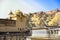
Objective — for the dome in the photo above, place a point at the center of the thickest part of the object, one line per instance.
(18, 12)
(11, 13)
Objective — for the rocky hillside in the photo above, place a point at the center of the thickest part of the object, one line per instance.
(50, 18)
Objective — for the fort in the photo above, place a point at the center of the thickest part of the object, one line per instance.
(19, 26)
(14, 28)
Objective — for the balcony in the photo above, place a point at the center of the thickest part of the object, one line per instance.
(7, 23)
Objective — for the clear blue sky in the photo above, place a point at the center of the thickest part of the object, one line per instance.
(27, 6)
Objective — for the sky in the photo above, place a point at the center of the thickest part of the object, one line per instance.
(27, 6)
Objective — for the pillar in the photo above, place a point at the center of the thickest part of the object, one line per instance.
(22, 38)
